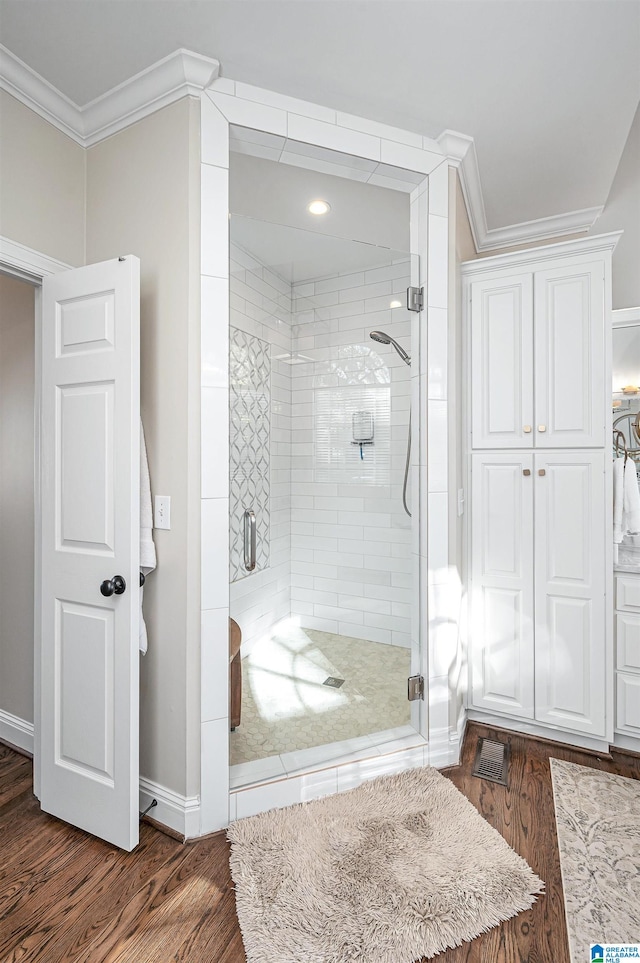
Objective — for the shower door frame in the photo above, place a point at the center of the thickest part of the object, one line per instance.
(437, 741)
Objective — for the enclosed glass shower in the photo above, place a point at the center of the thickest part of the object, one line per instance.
(320, 531)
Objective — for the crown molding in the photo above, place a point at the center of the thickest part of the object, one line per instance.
(559, 225)
(462, 154)
(35, 92)
(185, 73)
(461, 151)
(592, 244)
(179, 75)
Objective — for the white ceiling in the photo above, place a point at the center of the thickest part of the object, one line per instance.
(298, 255)
(547, 88)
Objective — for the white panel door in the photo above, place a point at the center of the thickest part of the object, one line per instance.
(569, 357)
(502, 583)
(90, 457)
(502, 362)
(570, 589)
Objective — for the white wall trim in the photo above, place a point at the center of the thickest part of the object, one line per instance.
(180, 813)
(581, 245)
(16, 731)
(621, 317)
(185, 73)
(32, 90)
(573, 222)
(443, 749)
(461, 151)
(181, 74)
(26, 263)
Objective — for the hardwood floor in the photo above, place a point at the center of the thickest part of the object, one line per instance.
(66, 897)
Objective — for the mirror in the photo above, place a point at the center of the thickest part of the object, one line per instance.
(625, 370)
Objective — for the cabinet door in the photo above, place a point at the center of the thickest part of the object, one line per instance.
(628, 703)
(502, 583)
(569, 587)
(501, 361)
(569, 357)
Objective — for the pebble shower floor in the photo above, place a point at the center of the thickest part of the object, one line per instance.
(286, 706)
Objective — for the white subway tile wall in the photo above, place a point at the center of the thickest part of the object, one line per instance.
(339, 537)
(350, 538)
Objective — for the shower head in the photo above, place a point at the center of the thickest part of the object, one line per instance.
(383, 338)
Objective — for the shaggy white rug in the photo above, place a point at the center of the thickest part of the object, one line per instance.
(598, 822)
(400, 868)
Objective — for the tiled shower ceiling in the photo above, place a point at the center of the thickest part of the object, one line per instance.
(272, 147)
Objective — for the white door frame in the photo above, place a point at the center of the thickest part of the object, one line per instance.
(25, 264)
(223, 104)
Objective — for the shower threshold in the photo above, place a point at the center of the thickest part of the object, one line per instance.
(367, 749)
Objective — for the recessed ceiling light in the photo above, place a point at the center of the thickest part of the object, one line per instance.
(319, 207)
(396, 304)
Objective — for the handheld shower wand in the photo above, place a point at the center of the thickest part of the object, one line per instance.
(383, 338)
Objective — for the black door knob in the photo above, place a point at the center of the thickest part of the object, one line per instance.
(113, 586)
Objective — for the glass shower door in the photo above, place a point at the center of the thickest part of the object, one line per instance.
(319, 426)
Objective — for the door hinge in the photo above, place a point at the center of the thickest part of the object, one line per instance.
(415, 299)
(415, 688)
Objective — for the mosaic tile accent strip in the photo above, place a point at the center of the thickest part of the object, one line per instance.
(249, 446)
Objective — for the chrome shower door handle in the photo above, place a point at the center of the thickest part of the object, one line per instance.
(249, 540)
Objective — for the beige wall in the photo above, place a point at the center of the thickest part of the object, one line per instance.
(622, 213)
(42, 189)
(17, 328)
(141, 200)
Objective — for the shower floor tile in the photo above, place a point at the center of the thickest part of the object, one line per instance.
(287, 707)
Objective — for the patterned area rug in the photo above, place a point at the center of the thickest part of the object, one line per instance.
(598, 821)
(400, 868)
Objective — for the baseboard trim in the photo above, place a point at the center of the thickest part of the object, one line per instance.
(443, 749)
(179, 813)
(16, 731)
(626, 743)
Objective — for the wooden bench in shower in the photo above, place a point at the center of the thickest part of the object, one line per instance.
(235, 674)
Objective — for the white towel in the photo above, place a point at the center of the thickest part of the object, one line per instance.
(618, 499)
(147, 548)
(631, 500)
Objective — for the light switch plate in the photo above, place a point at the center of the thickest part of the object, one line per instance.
(162, 512)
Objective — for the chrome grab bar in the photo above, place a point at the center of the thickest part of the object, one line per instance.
(249, 540)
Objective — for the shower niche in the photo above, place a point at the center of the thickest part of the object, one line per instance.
(320, 415)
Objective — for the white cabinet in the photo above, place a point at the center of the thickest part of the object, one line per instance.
(537, 592)
(538, 356)
(502, 362)
(502, 579)
(538, 361)
(570, 581)
(627, 626)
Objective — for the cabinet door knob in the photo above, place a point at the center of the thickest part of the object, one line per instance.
(542, 471)
(526, 429)
(526, 471)
(542, 427)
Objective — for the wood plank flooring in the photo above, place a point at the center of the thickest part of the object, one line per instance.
(66, 897)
